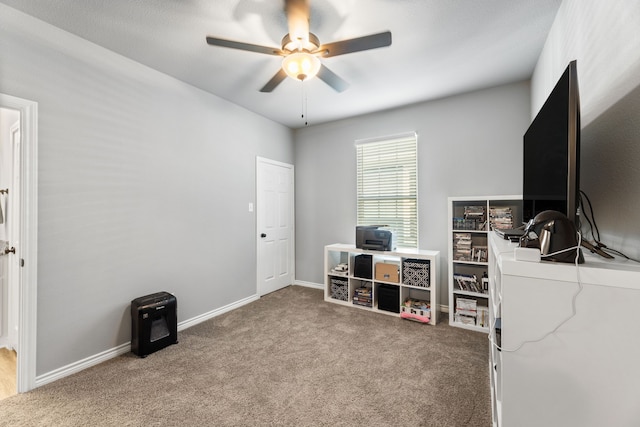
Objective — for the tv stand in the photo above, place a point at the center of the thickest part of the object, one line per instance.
(550, 371)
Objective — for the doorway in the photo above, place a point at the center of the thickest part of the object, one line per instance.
(274, 225)
(9, 225)
(18, 235)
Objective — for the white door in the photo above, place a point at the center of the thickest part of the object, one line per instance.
(12, 223)
(274, 225)
(19, 230)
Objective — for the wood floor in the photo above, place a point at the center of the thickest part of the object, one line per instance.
(7, 373)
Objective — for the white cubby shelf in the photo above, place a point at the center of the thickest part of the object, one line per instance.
(380, 287)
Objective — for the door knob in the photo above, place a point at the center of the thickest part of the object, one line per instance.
(263, 235)
(11, 250)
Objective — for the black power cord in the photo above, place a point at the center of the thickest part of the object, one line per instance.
(595, 232)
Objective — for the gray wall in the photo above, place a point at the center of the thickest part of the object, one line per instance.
(140, 189)
(468, 145)
(144, 185)
(604, 39)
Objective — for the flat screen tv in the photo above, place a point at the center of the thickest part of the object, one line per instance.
(552, 152)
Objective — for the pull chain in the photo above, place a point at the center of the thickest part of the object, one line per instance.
(304, 103)
(306, 111)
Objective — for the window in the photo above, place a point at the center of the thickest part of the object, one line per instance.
(387, 186)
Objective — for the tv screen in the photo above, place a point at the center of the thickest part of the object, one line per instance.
(552, 152)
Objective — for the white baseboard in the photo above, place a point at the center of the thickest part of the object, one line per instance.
(90, 361)
(308, 284)
(80, 365)
(217, 312)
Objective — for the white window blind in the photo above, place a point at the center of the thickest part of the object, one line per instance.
(388, 186)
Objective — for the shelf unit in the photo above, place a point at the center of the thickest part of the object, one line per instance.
(415, 280)
(470, 220)
(567, 355)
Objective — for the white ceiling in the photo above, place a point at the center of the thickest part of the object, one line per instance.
(439, 48)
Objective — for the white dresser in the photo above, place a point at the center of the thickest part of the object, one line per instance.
(584, 371)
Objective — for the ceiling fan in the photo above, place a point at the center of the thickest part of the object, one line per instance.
(301, 50)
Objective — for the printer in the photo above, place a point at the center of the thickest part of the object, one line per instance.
(375, 238)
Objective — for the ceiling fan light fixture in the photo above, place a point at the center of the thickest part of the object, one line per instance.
(301, 65)
(308, 43)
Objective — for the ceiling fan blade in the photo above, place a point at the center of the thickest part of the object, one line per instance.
(373, 41)
(298, 19)
(244, 46)
(275, 81)
(332, 79)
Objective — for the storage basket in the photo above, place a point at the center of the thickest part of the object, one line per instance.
(415, 272)
(340, 289)
(415, 314)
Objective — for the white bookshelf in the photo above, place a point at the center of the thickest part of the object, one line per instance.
(461, 214)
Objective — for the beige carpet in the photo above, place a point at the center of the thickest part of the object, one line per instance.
(289, 359)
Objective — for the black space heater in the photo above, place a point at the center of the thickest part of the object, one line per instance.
(154, 323)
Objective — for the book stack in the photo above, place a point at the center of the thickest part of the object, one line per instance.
(470, 282)
(479, 254)
(482, 316)
(462, 246)
(476, 214)
(466, 311)
(469, 312)
(362, 296)
(467, 282)
(500, 218)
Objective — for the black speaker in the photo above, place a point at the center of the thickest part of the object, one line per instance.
(154, 323)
